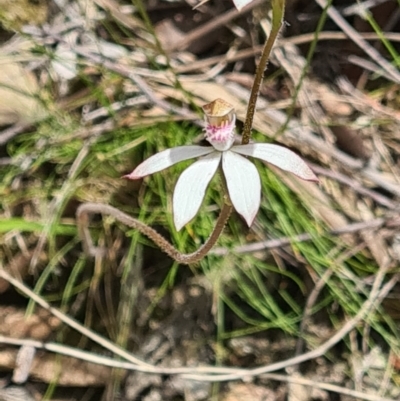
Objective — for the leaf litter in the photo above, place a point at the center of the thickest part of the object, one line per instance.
(76, 90)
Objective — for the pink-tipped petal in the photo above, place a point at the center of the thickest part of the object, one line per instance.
(167, 158)
(279, 157)
(243, 183)
(191, 187)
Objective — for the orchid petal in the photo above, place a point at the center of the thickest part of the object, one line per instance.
(191, 186)
(243, 183)
(279, 156)
(167, 158)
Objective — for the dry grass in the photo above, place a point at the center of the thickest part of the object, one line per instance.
(311, 287)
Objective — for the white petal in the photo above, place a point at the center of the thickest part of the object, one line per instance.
(65, 62)
(191, 187)
(93, 44)
(243, 183)
(279, 157)
(239, 4)
(167, 158)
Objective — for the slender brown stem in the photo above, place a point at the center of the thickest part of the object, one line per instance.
(277, 18)
(87, 209)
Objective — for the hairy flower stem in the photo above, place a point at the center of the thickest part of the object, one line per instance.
(278, 7)
(87, 209)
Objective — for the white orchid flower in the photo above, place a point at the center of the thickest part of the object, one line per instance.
(242, 178)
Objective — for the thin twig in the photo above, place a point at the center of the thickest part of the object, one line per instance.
(359, 41)
(313, 296)
(311, 300)
(208, 27)
(110, 362)
(373, 224)
(296, 40)
(369, 305)
(11, 132)
(358, 395)
(69, 321)
(354, 185)
(205, 373)
(129, 73)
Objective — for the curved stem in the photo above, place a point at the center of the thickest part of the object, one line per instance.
(277, 18)
(86, 209)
